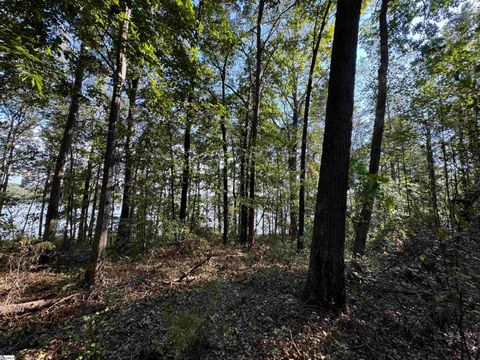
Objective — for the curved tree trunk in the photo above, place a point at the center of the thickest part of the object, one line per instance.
(326, 278)
(51, 218)
(303, 151)
(376, 147)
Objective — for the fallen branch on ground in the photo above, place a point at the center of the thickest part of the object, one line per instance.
(184, 275)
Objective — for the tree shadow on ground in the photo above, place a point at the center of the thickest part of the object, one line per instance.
(254, 316)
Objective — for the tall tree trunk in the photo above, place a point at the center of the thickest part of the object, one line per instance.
(255, 120)
(303, 151)
(431, 175)
(82, 231)
(99, 243)
(292, 169)
(326, 278)
(188, 129)
(125, 222)
(243, 181)
(225, 160)
(51, 218)
(376, 147)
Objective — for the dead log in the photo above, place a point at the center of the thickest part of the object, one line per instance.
(15, 309)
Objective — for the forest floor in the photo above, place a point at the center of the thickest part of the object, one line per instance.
(204, 301)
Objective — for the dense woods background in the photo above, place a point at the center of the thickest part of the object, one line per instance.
(240, 179)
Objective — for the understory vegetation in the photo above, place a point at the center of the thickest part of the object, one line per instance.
(418, 302)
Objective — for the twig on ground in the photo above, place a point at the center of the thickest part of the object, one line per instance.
(294, 344)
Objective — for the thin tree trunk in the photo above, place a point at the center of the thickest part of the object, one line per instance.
(51, 218)
(111, 217)
(67, 235)
(44, 198)
(6, 175)
(172, 176)
(243, 181)
(376, 147)
(186, 170)
(94, 205)
(125, 222)
(196, 200)
(448, 199)
(99, 244)
(225, 161)
(7, 156)
(432, 176)
(326, 278)
(303, 152)
(292, 169)
(82, 231)
(255, 120)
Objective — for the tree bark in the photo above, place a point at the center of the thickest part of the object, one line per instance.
(303, 151)
(376, 147)
(125, 222)
(325, 283)
(99, 244)
(255, 120)
(51, 219)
